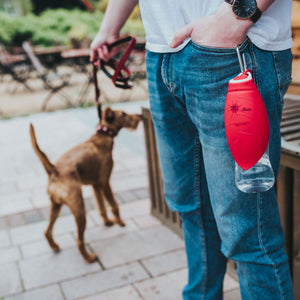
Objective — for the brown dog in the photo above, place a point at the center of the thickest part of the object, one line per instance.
(89, 163)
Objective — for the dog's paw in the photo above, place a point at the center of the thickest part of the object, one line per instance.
(91, 258)
(56, 250)
(121, 223)
(109, 223)
(54, 246)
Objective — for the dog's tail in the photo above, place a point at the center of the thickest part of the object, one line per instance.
(49, 167)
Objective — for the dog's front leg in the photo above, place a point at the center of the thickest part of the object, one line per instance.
(113, 203)
(101, 205)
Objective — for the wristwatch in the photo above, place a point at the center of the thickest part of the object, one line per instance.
(245, 9)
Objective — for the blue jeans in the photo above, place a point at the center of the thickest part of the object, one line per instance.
(187, 93)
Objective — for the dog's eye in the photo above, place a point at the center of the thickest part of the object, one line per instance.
(123, 114)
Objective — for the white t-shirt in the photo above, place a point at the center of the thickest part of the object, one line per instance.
(162, 18)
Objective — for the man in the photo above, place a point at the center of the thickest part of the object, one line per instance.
(190, 59)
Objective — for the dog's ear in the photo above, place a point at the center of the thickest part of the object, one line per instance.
(109, 115)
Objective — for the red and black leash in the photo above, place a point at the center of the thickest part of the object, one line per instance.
(119, 67)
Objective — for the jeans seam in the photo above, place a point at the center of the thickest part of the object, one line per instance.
(199, 206)
(197, 172)
(260, 236)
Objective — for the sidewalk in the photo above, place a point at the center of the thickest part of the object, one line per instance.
(144, 260)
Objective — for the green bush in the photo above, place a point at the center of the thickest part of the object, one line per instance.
(7, 28)
(57, 26)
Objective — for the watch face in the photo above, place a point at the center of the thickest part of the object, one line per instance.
(244, 8)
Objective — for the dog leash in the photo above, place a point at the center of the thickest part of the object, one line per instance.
(120, 77)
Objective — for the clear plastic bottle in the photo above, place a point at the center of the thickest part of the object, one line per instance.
(259, 178)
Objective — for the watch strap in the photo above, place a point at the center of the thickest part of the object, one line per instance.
(256, 15)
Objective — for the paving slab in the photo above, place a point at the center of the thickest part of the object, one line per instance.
(13, 194)
(164, 263)
(87, 192)
(232, 295)
(33, 216)
(35, 231)
(9, 171)
(136, 208)
(46, 212)
(139, 180)
(146, 221)
(229, 283)
(124, 293)
(40, 198)
(10, 282)
(127, 143)
(32, 181)
(6, 188)
(166, 287)
(3, 223)
(100, 233)
(9, 254)
(126, 196)
(54, 267)
(15, 203)
(39, 247)
(51, 292)
(142, 193)
(16, 220)
(169, 287)
(136, 245)
(4, 238)
(102, 281)
(133, 163)
(19, 173)
(28, 233)
(67, 223)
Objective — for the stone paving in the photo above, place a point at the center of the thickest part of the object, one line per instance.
(144, 260)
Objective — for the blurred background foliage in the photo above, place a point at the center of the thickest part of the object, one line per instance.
(47, 23)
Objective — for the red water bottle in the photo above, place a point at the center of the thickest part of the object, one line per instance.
(247, 132)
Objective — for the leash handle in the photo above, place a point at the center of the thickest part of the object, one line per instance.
(118, 78)
(120, 69)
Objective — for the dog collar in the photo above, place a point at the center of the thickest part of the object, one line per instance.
(106, 131)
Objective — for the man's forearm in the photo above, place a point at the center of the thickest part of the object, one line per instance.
(116, 15)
